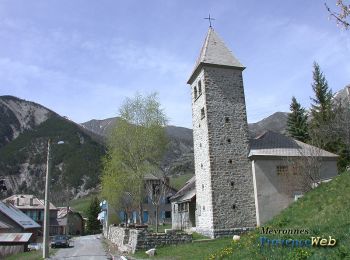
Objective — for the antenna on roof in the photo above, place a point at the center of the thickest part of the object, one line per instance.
(210, 19)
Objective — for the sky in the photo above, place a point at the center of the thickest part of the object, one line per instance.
(82, 58)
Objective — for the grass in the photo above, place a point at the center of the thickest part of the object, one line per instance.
(82, 204)
(31, 255)
(197, 236)
(178, 182)
(191, 251)
(161, 228)
(324, 211)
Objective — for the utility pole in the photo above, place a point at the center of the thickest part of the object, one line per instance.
(47, 200)
(67, 216)
(47, 204)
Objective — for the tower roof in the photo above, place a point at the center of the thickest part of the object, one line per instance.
(214, 52)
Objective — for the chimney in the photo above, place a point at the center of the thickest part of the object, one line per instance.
(31, 201)
(17, 201)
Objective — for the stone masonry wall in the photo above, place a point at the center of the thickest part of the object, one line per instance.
(204, 209)
(224, 184)
(232, 179)
(130, 240)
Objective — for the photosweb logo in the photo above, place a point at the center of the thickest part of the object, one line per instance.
(298, 243)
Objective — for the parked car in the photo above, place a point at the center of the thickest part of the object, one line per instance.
(60, 241)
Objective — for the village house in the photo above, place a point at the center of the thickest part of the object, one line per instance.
(17, 230)
(274, 158)
(34, 208)
(239, 183)
(70, 221)
(151, 183)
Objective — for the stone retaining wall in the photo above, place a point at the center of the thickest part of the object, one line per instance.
(130, 240)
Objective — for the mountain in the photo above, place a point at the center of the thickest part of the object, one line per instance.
(101, 127)
(343, 95)
(18, 116)
(179, 156)
(277, 122)
(25, 128)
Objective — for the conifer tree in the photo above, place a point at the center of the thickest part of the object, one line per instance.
(297, 125)
(321, 128)
(93, 225)
(321, 109)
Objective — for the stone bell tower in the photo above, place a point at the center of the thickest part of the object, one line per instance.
(224, 181)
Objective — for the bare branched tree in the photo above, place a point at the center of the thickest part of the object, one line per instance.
(341, 16)
(157, 191)
(127, 204)
(303, 171)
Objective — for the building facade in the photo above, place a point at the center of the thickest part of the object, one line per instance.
(152, 194)
(224, 182)
(283, 170)
(239, 183)
(70, 221)
(34, 208)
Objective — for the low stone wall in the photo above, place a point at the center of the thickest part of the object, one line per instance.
(130, 240)
(216, 233)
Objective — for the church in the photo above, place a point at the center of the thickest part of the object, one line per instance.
(239, 183)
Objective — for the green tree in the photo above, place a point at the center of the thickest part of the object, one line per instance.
(136, 146)
(93, 225)
(321, 128)
(297, 125)
(321, 109)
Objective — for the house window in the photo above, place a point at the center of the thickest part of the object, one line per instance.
(229, 140)
(195, 93)
(234, 206)
(202, 113)
(183, 207)
(167, 214)
(199, 88)
(282, 170)
(35, 215)
(227, 119)
(230, 161)
(232, 183)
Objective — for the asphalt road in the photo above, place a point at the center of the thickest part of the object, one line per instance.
(85, 248)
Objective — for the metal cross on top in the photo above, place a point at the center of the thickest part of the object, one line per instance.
(210, 19)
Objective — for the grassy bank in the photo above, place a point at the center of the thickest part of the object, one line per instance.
(179, 181)
(32, 255)
(324, 212)
(193, 251)
(82, 204)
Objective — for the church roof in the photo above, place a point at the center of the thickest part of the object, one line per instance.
(275, 144)
(187, 192)
(267, 144)
(215, 52)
